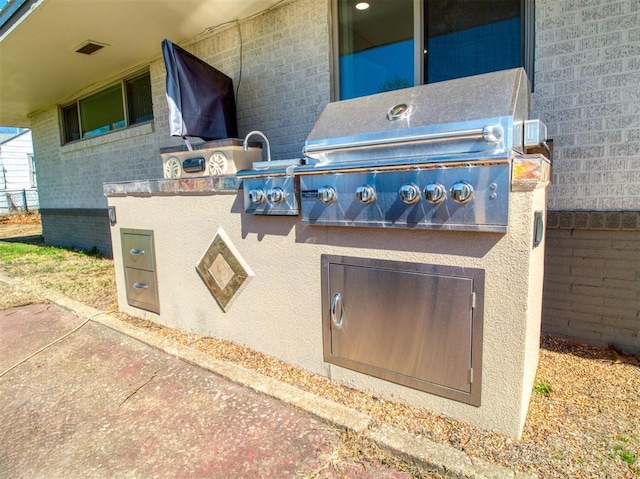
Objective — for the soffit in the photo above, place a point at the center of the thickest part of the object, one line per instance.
(39, 66)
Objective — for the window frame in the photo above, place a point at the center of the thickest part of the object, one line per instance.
(123, 93)
(32, 171)
(527, 19)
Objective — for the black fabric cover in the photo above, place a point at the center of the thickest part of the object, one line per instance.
(201, 100)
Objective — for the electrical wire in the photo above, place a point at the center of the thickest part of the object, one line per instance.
(237, 22)
(240, 54)
(53, 342)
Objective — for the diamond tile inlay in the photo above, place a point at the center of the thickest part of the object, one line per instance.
(223, 270)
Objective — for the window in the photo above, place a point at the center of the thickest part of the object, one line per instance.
(386, 45)
(32, 171)
(376, 47)
(123, 104)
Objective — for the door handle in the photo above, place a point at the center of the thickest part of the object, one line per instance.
(337, 311)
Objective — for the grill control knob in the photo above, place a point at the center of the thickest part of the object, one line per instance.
(276, 195)
(434, 193)
(257, 196)
(327, 194)
(366, 194)
(461, 192)
(409, 193)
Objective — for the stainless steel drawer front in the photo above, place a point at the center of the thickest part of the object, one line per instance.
(137, 251)
(142, 290)
(138, 257)
(413, 324)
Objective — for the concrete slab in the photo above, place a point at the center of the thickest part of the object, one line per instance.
(27, 329)
(440, 459)
(102, 404)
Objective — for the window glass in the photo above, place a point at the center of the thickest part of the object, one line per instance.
(468, 38)
(139, 99)
(71, 123)
(457, 38)
(32, 171)
(376, 46)
(102, 112)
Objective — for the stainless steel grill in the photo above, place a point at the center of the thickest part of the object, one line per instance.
(434, 156)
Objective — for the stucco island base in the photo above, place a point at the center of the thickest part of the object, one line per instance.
(279, 311)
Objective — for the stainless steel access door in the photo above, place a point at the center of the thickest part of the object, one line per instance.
(413, 324)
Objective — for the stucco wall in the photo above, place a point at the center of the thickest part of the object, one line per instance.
(280, 62)
(279, 312)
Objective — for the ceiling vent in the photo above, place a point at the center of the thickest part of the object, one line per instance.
(90, 47)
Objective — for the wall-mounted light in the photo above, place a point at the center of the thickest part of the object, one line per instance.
(362, 5)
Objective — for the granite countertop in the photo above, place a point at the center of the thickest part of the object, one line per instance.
(205, 185)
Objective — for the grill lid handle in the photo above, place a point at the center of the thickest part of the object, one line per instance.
(489, 133)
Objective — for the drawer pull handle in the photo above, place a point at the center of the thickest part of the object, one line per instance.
(136, 252)
(140, 285)
(337, 316)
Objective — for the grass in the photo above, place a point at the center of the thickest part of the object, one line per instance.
(621, 450)
(542, 387)
(83, 276)
(13, 298)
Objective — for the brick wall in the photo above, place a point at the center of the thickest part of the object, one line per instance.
(587, 92)
(284, 78)
(592, 278)
(279, 62)
(83, 228)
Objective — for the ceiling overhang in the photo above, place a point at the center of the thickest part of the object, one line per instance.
(39, 39)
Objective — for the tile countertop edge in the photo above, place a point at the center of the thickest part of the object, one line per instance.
(205, 185)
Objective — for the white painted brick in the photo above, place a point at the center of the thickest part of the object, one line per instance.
(586, 91)
(599, 137)
(285, 56)
(604, 11)
(580, 58)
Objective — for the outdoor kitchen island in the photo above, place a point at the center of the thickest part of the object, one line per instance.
(399, 291)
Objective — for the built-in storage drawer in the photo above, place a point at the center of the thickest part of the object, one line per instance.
(138, 258)
(414, 324)
(137, 249)
(142, 289)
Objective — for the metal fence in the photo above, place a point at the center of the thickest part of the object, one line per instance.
(24, 200)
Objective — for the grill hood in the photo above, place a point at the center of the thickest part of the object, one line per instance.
(482, 114)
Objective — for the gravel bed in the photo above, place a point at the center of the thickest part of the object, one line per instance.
(583, 420)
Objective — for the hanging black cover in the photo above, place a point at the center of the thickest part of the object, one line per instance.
(201, 100)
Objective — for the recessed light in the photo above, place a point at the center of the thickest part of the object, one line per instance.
(362, 5)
